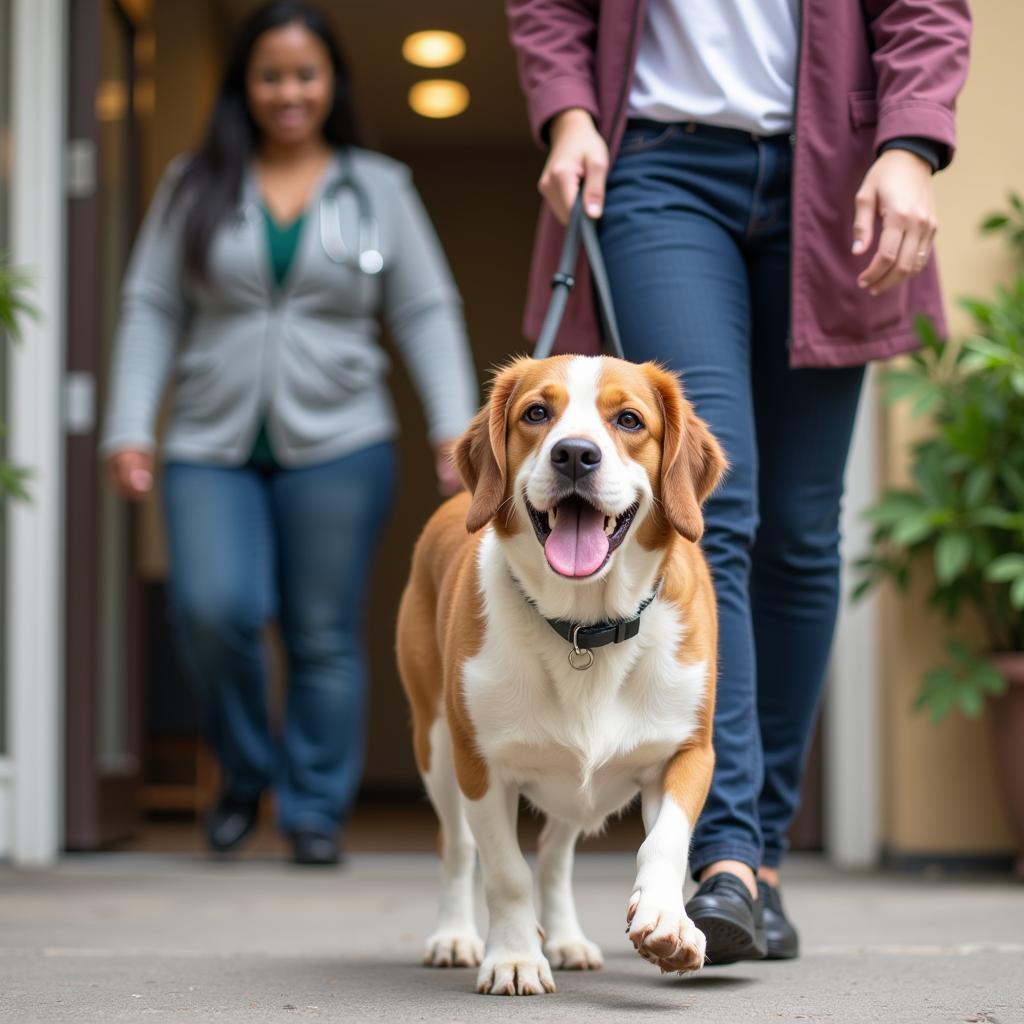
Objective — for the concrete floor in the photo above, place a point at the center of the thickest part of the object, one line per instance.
(144, 937)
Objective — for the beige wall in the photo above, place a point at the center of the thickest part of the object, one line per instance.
(940, 791)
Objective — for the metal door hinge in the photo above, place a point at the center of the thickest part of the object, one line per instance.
(80, 168)
(79, 403)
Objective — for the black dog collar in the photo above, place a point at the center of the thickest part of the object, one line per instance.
(585, 639)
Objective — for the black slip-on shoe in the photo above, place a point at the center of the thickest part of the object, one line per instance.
(314, 848)
(732, 922)
(230, 820)
(781, 937)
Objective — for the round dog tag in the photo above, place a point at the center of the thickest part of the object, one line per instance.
(581, 660)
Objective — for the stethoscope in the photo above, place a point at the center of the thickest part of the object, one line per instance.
(367, 256)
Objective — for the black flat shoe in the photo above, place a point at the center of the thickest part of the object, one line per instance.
(314, 848)
(231, 820)
(780, 936)
(730, 919)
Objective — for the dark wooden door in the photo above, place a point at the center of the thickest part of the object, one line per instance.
(103, 699)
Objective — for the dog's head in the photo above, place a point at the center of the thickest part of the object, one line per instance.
(588, 454)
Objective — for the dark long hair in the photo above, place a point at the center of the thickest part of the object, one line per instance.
(211, 183)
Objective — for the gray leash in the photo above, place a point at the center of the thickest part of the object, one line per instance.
(580, 226)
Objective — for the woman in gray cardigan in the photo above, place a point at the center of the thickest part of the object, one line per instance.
(256, 286)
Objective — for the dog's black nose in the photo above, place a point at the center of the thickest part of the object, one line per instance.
(575, 457)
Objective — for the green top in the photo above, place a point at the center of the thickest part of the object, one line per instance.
(283, 241)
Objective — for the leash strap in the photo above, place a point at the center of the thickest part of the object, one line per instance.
(580, 226)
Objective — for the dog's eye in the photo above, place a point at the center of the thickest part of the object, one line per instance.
(536, 414)
(629, 420)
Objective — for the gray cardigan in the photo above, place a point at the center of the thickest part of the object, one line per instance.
(305, 358)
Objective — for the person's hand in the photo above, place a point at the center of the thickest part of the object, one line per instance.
(578, 153)
(448, 479)
(898, 189)
(131, 473)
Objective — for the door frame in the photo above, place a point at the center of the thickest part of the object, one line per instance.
(35, 550)
(102, 804)
(853, 769)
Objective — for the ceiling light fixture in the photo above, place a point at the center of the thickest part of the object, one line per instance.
(434, 49)
(439, 97)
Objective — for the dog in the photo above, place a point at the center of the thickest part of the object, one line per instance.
(557, 640)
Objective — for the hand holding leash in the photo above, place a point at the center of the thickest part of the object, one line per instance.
(578, 162)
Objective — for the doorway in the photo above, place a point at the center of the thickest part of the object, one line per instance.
(142, 79)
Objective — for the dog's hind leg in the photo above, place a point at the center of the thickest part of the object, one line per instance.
(565, 945)
(455, 942)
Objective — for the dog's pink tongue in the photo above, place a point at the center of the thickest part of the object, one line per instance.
(578, 544)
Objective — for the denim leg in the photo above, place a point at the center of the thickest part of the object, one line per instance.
(221, 590)
(804, 424)
(671, 236)
(328, 519)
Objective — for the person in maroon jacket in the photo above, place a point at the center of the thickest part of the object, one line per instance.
(763, 174)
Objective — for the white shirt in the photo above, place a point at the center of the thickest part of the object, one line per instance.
(730, 63)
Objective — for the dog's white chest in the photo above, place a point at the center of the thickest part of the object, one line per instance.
(579, 744)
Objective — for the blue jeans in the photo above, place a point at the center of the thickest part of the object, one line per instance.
(696, 234)
(249, 545)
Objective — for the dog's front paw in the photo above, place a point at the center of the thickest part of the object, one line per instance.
(573, 953)
(508, 973)
(452, 947)
(665, 936)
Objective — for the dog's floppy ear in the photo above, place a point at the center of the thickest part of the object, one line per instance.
(692, 461)
(480, 453)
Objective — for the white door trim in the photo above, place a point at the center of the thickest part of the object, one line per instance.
(853, 748)
(35, 556)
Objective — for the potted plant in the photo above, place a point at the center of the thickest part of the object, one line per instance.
(963, 514)
(13, 306)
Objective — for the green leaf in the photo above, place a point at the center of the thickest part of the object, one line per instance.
(971, 702)
(978, 483)
(912, 530)
(925, 330)
(12, 482)
(1017, 593)
(962, 653)
(995, 222)
(997, 517)
(952, 553)
(900, 384)
(991, 680)
(894, 506)
(930, 395)
(1013, 480)
(979, 309)
(987, 347)
(1005, 568)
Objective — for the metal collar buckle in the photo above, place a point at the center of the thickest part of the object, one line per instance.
(580, 658)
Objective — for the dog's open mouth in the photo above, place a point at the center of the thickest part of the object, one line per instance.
(578, 538)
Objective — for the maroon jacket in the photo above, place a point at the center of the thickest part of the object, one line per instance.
(869, 71)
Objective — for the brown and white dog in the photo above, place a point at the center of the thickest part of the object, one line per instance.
(586, 477)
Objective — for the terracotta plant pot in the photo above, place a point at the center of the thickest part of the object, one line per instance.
(1007, 720)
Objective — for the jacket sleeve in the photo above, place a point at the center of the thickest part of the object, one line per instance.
(920, 51)
(423, 312)
(555, 42)
(154, 314)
